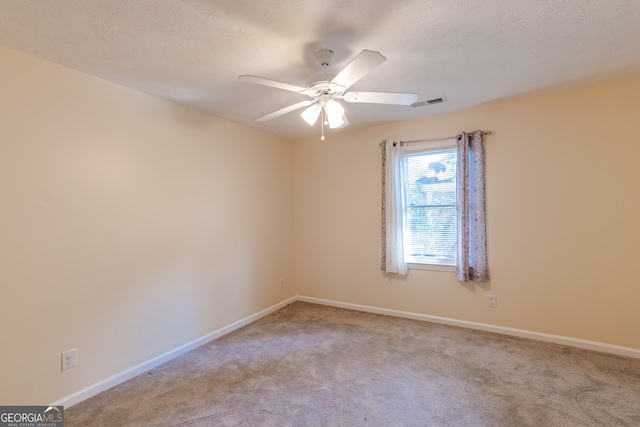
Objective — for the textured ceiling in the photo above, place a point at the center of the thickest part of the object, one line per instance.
(472, 52)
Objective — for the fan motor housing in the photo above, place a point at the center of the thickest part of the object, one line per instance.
(320, 83)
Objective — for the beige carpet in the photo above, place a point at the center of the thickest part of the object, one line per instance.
(311, 365)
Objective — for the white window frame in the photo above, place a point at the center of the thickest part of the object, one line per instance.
(414, 262)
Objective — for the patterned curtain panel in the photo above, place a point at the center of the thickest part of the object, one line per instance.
(471, 263)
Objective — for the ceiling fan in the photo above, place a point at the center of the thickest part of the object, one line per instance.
(324, 89)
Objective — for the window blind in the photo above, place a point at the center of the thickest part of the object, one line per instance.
(430, 191)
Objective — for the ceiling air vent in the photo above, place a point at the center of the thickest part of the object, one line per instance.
(429, 102)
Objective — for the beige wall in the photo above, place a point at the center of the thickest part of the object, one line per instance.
(563, 217)
(128, 226)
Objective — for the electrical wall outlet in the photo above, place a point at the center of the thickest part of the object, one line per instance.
(281, 283)
(69, 359)
(491, 301)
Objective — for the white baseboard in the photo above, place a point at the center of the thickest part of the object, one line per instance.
(557, 339)
(143, 367)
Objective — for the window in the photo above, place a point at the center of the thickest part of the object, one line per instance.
(433, 206)
(430, 204)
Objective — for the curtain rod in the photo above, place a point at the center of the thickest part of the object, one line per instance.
(441, 139)
(484, 132)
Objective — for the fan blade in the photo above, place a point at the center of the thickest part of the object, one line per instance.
(360, 66)
(285, 110)
(381, 97)
(272, 83)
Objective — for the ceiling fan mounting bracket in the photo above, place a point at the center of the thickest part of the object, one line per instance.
(324, 57)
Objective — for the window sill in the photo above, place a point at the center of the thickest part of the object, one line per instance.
(433, 267)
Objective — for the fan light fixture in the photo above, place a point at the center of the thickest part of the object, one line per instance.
(310, 115)
(333, 111)
(332, 114)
